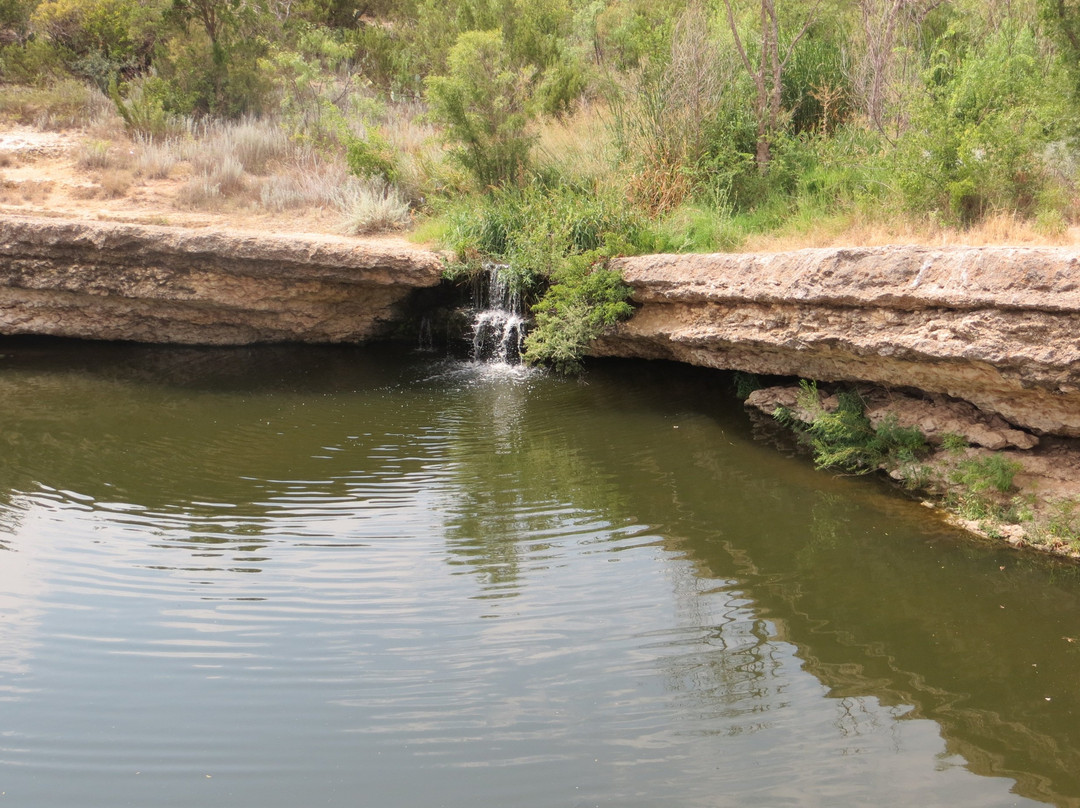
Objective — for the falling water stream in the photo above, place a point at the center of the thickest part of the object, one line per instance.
(330, 576)
(498, 329)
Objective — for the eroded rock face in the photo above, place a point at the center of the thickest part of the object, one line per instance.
(97, 280)
(935, 416)
(995, 326)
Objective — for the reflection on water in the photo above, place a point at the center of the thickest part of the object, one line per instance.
(292, 576)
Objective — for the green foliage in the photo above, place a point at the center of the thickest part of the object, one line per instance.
(991, 473)
(371, 157)
(583, 299)
(976, 139)
(844, 438)
(816, 84)
(953, 443)
(1064, 520)
(1062, 19)
(35, 62)
(99, 39)
(981, 99)
(980, 486)
(628, 34)
(745, 384)
(15, 14)
(555, 241)
(485, 104)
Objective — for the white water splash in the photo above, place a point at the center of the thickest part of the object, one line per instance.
(499, 328)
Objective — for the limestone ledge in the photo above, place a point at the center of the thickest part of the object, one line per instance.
(101, 280)
(998, 327)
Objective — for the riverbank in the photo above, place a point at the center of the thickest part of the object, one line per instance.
(971, 347)
(965, 344)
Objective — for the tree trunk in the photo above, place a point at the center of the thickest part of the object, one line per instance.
(768, 75)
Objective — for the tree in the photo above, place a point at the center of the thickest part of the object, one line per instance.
(1062, 17)
(767, 75)
(485, 104)
(884, 23)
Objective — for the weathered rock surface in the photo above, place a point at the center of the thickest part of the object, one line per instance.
(994, 326)
(98, 280)
(935, 416)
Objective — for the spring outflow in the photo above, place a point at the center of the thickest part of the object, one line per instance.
(498, 332)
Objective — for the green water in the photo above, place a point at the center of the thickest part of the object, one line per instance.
(305, 576)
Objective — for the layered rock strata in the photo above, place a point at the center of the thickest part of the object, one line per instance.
(998, 327)
(97, 280)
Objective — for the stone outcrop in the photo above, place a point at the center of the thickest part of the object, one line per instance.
(995, 326)
(935, 416)
(97, 280)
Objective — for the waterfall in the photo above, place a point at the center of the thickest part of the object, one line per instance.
(498, 330)
(425, 340)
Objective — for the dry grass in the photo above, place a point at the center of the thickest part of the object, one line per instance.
(95, 155)
(418, 150)
(374, 206)
(155, 159)
(115, 182)
(853, 230)
(579, 145)
(308, 183)
(33, 192)
(255, 144)
(67, 104)
(281, 192)
(215, 179)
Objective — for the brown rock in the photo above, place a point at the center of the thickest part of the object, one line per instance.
(98, 280)
(993, 326)
(938, 416)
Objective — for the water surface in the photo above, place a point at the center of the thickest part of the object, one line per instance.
(306, 576)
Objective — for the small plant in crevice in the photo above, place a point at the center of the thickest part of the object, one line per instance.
(953, 443)
(745, 384)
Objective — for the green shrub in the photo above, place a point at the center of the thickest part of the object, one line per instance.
(976, 140)
(371, 157)
(845, 439)
(583, 299)
(15, 14)
(485, 104)
(100, 38)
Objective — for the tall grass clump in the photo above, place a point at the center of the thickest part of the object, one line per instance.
(155, 159)
(254, 144)
(374, 205)
(95, 154)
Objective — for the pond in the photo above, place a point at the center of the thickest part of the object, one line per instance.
(288, 576)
